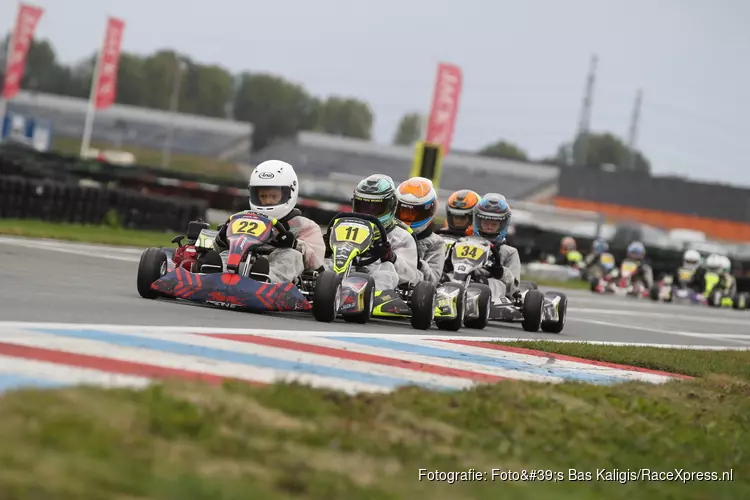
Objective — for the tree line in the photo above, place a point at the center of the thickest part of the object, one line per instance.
(275, 106)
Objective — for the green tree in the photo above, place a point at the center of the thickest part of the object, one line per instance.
(206, 90)
(505, 150)
(346, 117)
(606, 148)
(276, 107)
(409, 130)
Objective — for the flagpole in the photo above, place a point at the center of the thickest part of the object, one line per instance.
(3, 102)
(88, 127)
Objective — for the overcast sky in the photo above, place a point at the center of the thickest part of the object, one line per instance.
(524, 62)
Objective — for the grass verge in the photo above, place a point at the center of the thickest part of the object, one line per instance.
(153, 158)
(196, 442)
(567, 284)
(83, 233)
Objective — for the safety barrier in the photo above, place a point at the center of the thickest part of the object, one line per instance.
(41, 199)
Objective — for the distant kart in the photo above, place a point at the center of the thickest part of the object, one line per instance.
(668, 291)
(723, 298)
(530, 306)
(621, 282)
(194, 271)
(349, 291)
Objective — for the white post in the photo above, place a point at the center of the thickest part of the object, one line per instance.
(3, 102)
(88, 127)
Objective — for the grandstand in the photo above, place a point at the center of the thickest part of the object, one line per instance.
(318, 155)
(140, 127)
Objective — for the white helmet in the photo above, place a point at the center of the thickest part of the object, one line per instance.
(275, 204)
(715, 262)
(727, 264)
(691, 259)
(417, 203)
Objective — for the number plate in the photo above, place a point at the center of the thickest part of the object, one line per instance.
(352, 233)
(471, 252)
(245, 226)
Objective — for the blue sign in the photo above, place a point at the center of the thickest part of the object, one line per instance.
(30, 131)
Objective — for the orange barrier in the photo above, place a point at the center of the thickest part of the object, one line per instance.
(715, 228)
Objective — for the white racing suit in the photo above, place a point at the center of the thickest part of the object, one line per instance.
(288, 263)
(388, 275)
(432, 255)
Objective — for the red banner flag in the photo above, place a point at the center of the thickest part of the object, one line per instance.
(109, 59)
(444, 110)
(23, 32)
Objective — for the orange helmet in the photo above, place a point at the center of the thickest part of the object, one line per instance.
(417, 203)
(568, 244)
(460, 210)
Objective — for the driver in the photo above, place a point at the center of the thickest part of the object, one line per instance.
(685, 275)
(569, 254)
(727, 283)
(274, 189)
(491, 222)
(459, 214)
(637, 253)
(376, 196)
(416, 207)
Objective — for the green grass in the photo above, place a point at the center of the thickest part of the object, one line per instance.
(194, 442)
(153, 158)
(84, 233)
(568, 284)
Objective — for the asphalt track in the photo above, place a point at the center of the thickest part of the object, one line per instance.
(51, 281)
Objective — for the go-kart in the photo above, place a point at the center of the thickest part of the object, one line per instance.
(718, 297)
(529, 305)
(621, 281)
(194, 271)
(666, 290)
(603, 266)
(348, 290)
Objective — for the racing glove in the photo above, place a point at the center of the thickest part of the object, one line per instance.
(386, 253)
(285, 241)
(496, 270)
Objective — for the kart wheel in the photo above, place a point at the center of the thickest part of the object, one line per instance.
(153, 265)
(714, 300)
(562, 312)
(363, 316)
(326, 297)
(593, 284)
(740, 302)
(454, 324)
(653, 293)
(422, 305)
(532, 307)
(485, 297)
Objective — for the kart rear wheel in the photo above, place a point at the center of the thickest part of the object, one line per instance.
(364, 315)
(152, 266)
(562, 312)
(326, 298)
(454, 324)
(485, 297)
(653, 293)
(531, 309)
(422, 305)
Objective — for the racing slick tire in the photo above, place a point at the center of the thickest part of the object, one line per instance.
(364, 316)
(152, 266)
(714, 299)
(422, 305)
(485, 297)
(454, 324)
(326, 297)
(562, 312)
(653, 293)
(740, 302)
(532, 310)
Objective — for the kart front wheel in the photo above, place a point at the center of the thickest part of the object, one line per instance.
(485, 296)
(531, 309)
(653, 293)
(562, 311)
(326, 297)
(152, 266)
(423, 305)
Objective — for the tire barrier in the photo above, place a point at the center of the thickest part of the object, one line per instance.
(52, 201)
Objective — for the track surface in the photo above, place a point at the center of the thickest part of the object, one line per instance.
(50, 281)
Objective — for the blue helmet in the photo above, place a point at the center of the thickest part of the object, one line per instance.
(492, 217)
(376, 195)
(636, 250)
(600, 246)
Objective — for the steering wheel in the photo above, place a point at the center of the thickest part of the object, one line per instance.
(377, 241)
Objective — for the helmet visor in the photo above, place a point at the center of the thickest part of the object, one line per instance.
(376, 208)
(415, 213)
(269, 196)
(492, 225)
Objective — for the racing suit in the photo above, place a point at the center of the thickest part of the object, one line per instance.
(432, 254)
(504, 275)
(678, 277)
(644, 273)
(727, 284)
(388, 275)
(286, 264)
